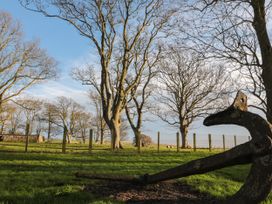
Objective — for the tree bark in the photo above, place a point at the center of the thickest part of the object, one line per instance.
(239, 155)
(69, 138)
(259, 24)
(184, 138)
(136, 127)
(115, 132)
(137, 135)
(258, 183)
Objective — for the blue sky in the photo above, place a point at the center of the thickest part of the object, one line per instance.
(64, 43)
(60, 39)
(61, 42)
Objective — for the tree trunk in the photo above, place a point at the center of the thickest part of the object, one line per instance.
(30, 128)
(137, 135)
(184, 138)
(136, 127)
(13, 130)
(115, 133)
(260, 26)
(65, 131)
(258, 183)
(69, 135)
(237, 155)
(97, 135)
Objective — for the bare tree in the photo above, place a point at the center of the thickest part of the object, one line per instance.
(74, 117)
(49, 117)
(99, 122)
(187, 89)
(236, 31)
(138, 103)
(114, 27)
(31, 109)
(15, 118)
(62, 109)
(5, 117)
(84, 123)
(69, 115)
(22, 64)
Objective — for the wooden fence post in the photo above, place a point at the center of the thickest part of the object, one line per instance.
(224, 143)
(235, 141)
(91, 141)
(194, 142)
(177, 141)
(65, 131)
(27, 138)
(210, 142)
(158, 142)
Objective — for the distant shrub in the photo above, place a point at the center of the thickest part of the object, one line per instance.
(145, 140)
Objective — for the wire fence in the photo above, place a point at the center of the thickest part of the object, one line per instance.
(217, 140)
(195, 141)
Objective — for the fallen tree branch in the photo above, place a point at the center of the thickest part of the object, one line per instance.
(258, 151)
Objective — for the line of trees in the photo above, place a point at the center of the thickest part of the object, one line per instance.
(169, 59)
(129, 38)
(47, 118)
(123, 34)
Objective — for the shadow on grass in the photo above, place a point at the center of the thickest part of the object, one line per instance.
(95, 158)
(50, 173)
(107, 161)
(164, 192)
(64, 197)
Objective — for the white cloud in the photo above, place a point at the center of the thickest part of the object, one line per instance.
(53, 89)
(65, 85)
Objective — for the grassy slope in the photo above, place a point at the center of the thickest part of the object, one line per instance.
(49, 177)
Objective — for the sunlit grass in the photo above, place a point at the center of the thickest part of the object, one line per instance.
(48, 177)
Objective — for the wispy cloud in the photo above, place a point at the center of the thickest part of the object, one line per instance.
(53, 89)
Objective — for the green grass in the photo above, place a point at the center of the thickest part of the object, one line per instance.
(48, 177)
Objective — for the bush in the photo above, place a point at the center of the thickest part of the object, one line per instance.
(145, 140)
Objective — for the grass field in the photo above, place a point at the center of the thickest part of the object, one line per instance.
(48, 177)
